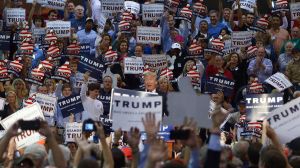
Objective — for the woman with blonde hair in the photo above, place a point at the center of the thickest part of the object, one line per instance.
(11, 105)
(20, 89)
(51, 85)
(164, 85)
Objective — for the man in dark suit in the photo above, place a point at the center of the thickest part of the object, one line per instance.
(151, 84)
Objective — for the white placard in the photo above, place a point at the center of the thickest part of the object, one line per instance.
(15, 15)
(101, 23)
(241, 38)
(30, 112)
(279, 81)
(27, 138)
(152, 11)
(29, 1)
(157, 61)
(38, 31)
(295, 10)
(2, 103)
(147, 35)
(109, 7)
(246, 4)
(55, 4)
(47, 103)
(285, 121)
(73, 132)
(128, 111)
(231, 50)
(132, 6)
(133, 65)
(79, 80)
(61, 28)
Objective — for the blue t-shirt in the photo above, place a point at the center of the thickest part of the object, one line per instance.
(214, 31)
(78, 24)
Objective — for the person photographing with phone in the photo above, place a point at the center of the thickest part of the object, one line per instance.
(93, 108)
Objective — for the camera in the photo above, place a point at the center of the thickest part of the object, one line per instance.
(88, 126)
(30, 124)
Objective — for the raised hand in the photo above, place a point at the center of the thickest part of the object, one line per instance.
(151, 126)
(218, 117)
(191, 125)
(134, 137)
(86, 76)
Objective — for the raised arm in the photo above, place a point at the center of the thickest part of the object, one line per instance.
(89, 9)
(58, 156)
(84, 86)
(31, 13)
(133, 141)
(239, 11)
(107, 154)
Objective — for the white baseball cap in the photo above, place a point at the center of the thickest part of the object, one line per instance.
(176, 45)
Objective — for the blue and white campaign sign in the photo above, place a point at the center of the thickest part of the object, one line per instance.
(258, 106)
(219, 83)
(285, 121)
(85, 49)
(164, 132)
(4, 40)
(71, 104)
(92, 65)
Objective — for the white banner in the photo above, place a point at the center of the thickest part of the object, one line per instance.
(132, 6)
(295, 10)
(79, 80)
(128, 112)
(246, 4)
(152, 11)
(231, 50)
(47, 103)
(109, 7)
(55, 4)
(30, 112)
(133, 65)
(279, 81)
(147, 35)
(73, 132)
(285, 121)
(15, 15)
(38, 31)
(156, 62)
(27, 138)
(241, 38)
(61, 28)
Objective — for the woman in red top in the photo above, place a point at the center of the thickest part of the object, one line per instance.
(218, 69)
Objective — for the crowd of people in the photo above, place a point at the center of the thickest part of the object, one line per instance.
(197, 43)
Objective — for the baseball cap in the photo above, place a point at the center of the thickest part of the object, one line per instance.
(176, 46)
(89, 20)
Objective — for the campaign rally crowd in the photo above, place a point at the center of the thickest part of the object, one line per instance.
(150, 83)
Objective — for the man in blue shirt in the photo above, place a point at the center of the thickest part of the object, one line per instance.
(88, 35)
(215, 27)
(261, 66)
(78, 22)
